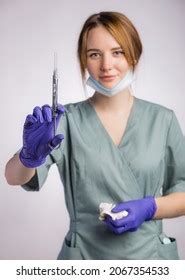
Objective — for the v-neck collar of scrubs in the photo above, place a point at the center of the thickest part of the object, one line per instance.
(130, 122)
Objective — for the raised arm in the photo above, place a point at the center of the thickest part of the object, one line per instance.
(16, 173)
(38, 142)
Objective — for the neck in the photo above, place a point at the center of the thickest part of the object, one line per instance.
(118, 103)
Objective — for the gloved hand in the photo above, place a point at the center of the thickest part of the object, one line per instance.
(138, 211)
(38, 136)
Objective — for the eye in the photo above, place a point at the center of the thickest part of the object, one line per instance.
(94, 55)
(118, 53)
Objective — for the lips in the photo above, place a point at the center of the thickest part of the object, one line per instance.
(107, 78)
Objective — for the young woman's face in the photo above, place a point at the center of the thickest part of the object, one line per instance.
(106, 62)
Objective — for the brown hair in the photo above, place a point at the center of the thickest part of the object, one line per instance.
(120, 27)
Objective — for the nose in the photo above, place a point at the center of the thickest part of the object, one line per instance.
(106, 63)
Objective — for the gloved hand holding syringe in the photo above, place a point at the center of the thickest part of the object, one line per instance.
(39, 133)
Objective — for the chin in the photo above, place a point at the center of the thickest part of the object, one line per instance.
(109, 84)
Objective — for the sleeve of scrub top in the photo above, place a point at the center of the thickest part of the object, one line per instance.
(37, 181)
(175, 159)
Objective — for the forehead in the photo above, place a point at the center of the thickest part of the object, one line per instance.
(100, 38)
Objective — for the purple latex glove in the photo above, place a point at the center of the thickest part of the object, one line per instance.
(138, 211)
(38, 136)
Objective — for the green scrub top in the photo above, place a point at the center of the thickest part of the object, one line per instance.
(150, 160)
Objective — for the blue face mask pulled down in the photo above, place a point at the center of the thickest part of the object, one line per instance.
(121, 85)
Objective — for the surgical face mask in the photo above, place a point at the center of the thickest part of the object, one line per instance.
(121, 85)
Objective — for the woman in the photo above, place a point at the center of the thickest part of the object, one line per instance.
(117, 149)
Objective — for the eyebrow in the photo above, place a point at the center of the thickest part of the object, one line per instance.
(113, 49)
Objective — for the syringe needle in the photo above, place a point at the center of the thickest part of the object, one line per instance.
(55, 62)
(55, 92)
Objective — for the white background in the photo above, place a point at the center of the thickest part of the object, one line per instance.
(33, 225)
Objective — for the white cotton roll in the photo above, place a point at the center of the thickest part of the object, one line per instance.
(105, 209)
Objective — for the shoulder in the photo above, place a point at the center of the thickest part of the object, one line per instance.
(155, 111)
(75, 113)
(71, 108)
(154, 106)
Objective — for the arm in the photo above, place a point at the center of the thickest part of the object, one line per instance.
(16, 173)
(170, 206)
(146, 209)
(172, 202)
